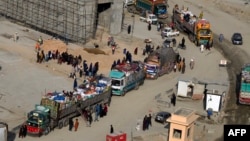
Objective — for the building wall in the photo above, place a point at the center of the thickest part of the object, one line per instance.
(70, 19)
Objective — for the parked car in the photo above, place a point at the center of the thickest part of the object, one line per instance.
(162, 117)
(168, 32)
(167, 42)
(237, 39)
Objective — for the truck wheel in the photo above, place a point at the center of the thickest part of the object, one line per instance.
(136, 86)
(196, 43)
(46, 131)
(66, 122)
(123, 93)
(60, 125)
(156, 77)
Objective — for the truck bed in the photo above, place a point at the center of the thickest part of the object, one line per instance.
(60, 110)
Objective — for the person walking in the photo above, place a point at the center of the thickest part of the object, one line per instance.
(221, 37)
(111, 129)
(21, 132)
(15, 38)
(150, 120)
(136, 51)
(89, 118)
(97, 112)
(113, 49)
(71, 124)
(202, 48)
(191, 64)
(24, 130)
(149, 26)
(173, 99)
(183, 42)
(76, 124)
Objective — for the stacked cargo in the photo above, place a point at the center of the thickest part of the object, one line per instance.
(58, 101)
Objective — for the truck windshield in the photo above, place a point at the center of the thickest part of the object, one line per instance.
(151, 68)
(205, 32)
(117, 82)
(152, 17)
(35, 117)
(32, 124)
(162, 9)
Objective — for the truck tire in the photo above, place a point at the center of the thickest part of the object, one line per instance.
(123, 93)
(136, 86)
(66, 122)
(196, 43)
(46, 131)
(60, 124)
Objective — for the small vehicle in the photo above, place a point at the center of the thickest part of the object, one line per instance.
(237, 39)
(149, 18)
(168, 41)
(168, 32)
(162, 117)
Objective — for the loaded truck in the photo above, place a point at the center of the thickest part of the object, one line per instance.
(156, 7)
(160, 62)
(244, 91)
(198, 30)
(56, 109)
(3, 131)
(126, 76)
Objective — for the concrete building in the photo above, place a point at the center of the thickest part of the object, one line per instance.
(71, 20)
(182, 125)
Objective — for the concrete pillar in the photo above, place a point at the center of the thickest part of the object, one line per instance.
(116, 17)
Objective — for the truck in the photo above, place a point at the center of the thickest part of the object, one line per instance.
(128, 3)
(156, 7)
(3, 131)
(244, 91)
(56, 109)
(149, 18)
(126, 76)
(168, 32)
(160, 62)
(198, 30)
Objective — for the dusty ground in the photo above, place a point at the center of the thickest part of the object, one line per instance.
(19, 66)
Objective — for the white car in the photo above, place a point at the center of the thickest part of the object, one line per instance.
(168, 32)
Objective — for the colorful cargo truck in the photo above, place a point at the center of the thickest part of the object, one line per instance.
(126, 76)
(56, 109)
(198, 30)
(244, 92)
(160, 62)
(156, 7)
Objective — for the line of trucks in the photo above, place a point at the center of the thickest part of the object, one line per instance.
(55, 109)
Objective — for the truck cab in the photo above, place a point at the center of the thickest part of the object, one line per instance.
(149, 18)
(117, 82)
(152, 71)
(38, 121)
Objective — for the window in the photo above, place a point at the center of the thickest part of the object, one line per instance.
(188, 132)
(177, 133)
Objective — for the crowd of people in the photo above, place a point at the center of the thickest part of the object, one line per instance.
(100, 111)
